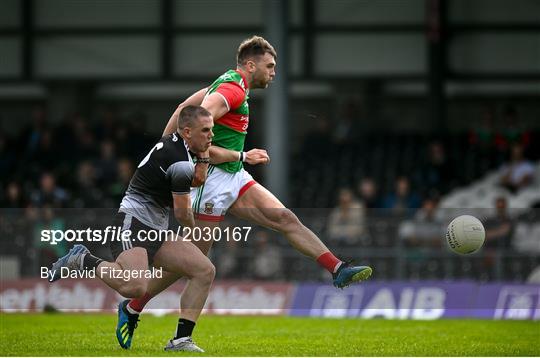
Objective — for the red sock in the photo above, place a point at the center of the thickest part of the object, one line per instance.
(329, 262)
(137, 304)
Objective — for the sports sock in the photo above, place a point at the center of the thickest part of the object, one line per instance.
(329, 262)
(184, 329)
(91, 262)
(131, 311)
(137, 304)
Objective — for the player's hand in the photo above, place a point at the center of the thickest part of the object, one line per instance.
(257, 156)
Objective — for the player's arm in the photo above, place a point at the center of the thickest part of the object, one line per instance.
(181, 175)
(227, 97)
(217, 104)
(182, 209)
(201, 170)
(193, 100)
(255, 156)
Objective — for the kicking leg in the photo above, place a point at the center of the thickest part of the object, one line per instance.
(260, 206)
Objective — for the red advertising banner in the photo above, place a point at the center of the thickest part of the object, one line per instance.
(226, 297)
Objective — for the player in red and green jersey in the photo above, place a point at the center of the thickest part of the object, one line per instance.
(229, 187)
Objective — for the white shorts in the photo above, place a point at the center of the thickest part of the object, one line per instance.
(211, 201)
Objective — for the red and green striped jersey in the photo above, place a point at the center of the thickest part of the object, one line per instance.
(231, 129)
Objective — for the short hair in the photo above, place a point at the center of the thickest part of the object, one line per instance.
(253, 46)
(190, 114)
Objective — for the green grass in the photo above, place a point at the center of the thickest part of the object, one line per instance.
(93, 335)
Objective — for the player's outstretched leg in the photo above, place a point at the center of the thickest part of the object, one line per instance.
(261, 207)
(73, 260)
(127, 322)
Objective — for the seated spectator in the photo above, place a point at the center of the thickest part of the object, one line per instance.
(125, 171)
(518, 173)
(425, 229)
(49, 194)
(513, 131)
(344, 131)
(346, 223)
(402, 199)
(500, 227)
(13, 197)
(368, 193)
(107, 164)
(48, 220)
(227, 259)
(482, 135)
(436, 173)
(268, 260)
(89, 195)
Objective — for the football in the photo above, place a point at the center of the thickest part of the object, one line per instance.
(465, 234)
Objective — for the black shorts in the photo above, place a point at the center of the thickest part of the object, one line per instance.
(130, 222)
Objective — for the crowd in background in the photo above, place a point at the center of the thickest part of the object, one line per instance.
(77, 163)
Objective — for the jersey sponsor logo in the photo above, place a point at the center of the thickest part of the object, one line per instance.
(234, 121)
(209, 208)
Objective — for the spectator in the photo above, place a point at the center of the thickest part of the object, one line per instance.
(402, 199)
(89, 195)
(500, 227)
(49, 194)
(47, 220)
(368, 193)
(45, 155)
(346, 223)
(512, 131)
(31, 136)
(227, 260)
(13, 197)
(125, 171)
(483, 134)
(268, 259)
(107, 165)
(344, 130)
(106, 128)
(436, 173)
(425, 229)
(518, 173)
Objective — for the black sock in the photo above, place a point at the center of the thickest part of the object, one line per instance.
(185, 328)
(90, 262)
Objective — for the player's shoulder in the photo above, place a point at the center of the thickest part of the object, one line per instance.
(175, 147)
(231, 76)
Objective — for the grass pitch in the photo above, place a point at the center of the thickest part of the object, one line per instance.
(93, 335)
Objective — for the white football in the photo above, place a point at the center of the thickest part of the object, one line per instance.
(465, 234)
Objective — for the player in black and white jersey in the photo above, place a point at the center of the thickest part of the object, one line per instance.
(162, 181)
